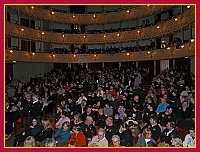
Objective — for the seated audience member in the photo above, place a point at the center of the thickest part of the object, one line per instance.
(32, 130)
(176, 142)
(77, 138)
(63, 119)
(145, 139)
(88, 128)
(108, 111)
(110, 128)
(101, 118)
(169, 132)
(165, 117)
(117, 121)
(11, 116)
(115, 141)
(29, 142)
(77, 120)
(63, 134)
(189, 140)
(162, 106)
(149, 113)
(153, 126)
(46, 132)
(58, 113)
(88, 112)
(125, 134)
(99, 140)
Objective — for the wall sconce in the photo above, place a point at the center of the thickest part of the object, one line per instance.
(192, 40)
(176, 19)
(150, 53)
(74, 55)
(94, 16)
(158, 27)
(32, 7)
(52, 12)
(53, 56)
(128, 54)
(168, 48)
(32, 54)
(188, 6)
(182, 46)
(9, 54)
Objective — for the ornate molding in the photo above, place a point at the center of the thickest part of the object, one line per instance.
(170, 26)
(160, 54)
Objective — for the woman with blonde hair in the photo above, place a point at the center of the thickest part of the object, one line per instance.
(29, 142)
(145, 140)
(46, 132)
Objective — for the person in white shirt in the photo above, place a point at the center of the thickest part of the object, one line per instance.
(99, 140)
(81, 98)
(189, 139)
(63, 119)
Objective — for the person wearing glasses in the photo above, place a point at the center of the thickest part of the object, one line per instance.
(99, 140)
(32, 130)
(77, 138)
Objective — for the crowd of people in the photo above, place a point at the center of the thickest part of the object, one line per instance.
(107, 108)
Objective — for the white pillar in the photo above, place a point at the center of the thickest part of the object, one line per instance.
(136, 65)
(86, 65)
(102, 64)
(120, 64)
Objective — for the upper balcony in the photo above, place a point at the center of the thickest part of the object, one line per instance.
(164, 28)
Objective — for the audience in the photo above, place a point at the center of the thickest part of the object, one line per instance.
(109, 103)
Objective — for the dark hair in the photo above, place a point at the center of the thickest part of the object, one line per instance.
(66, 123)
(172, 124)
(64, 113)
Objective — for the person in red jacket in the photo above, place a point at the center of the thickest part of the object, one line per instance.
(77, 138)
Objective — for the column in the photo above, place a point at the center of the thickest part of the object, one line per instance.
(120, 64)
(69, 65)
(102, 64)
(174, 63)
(192, 64)
(136, 65)
(86, 65)
(154, 66)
